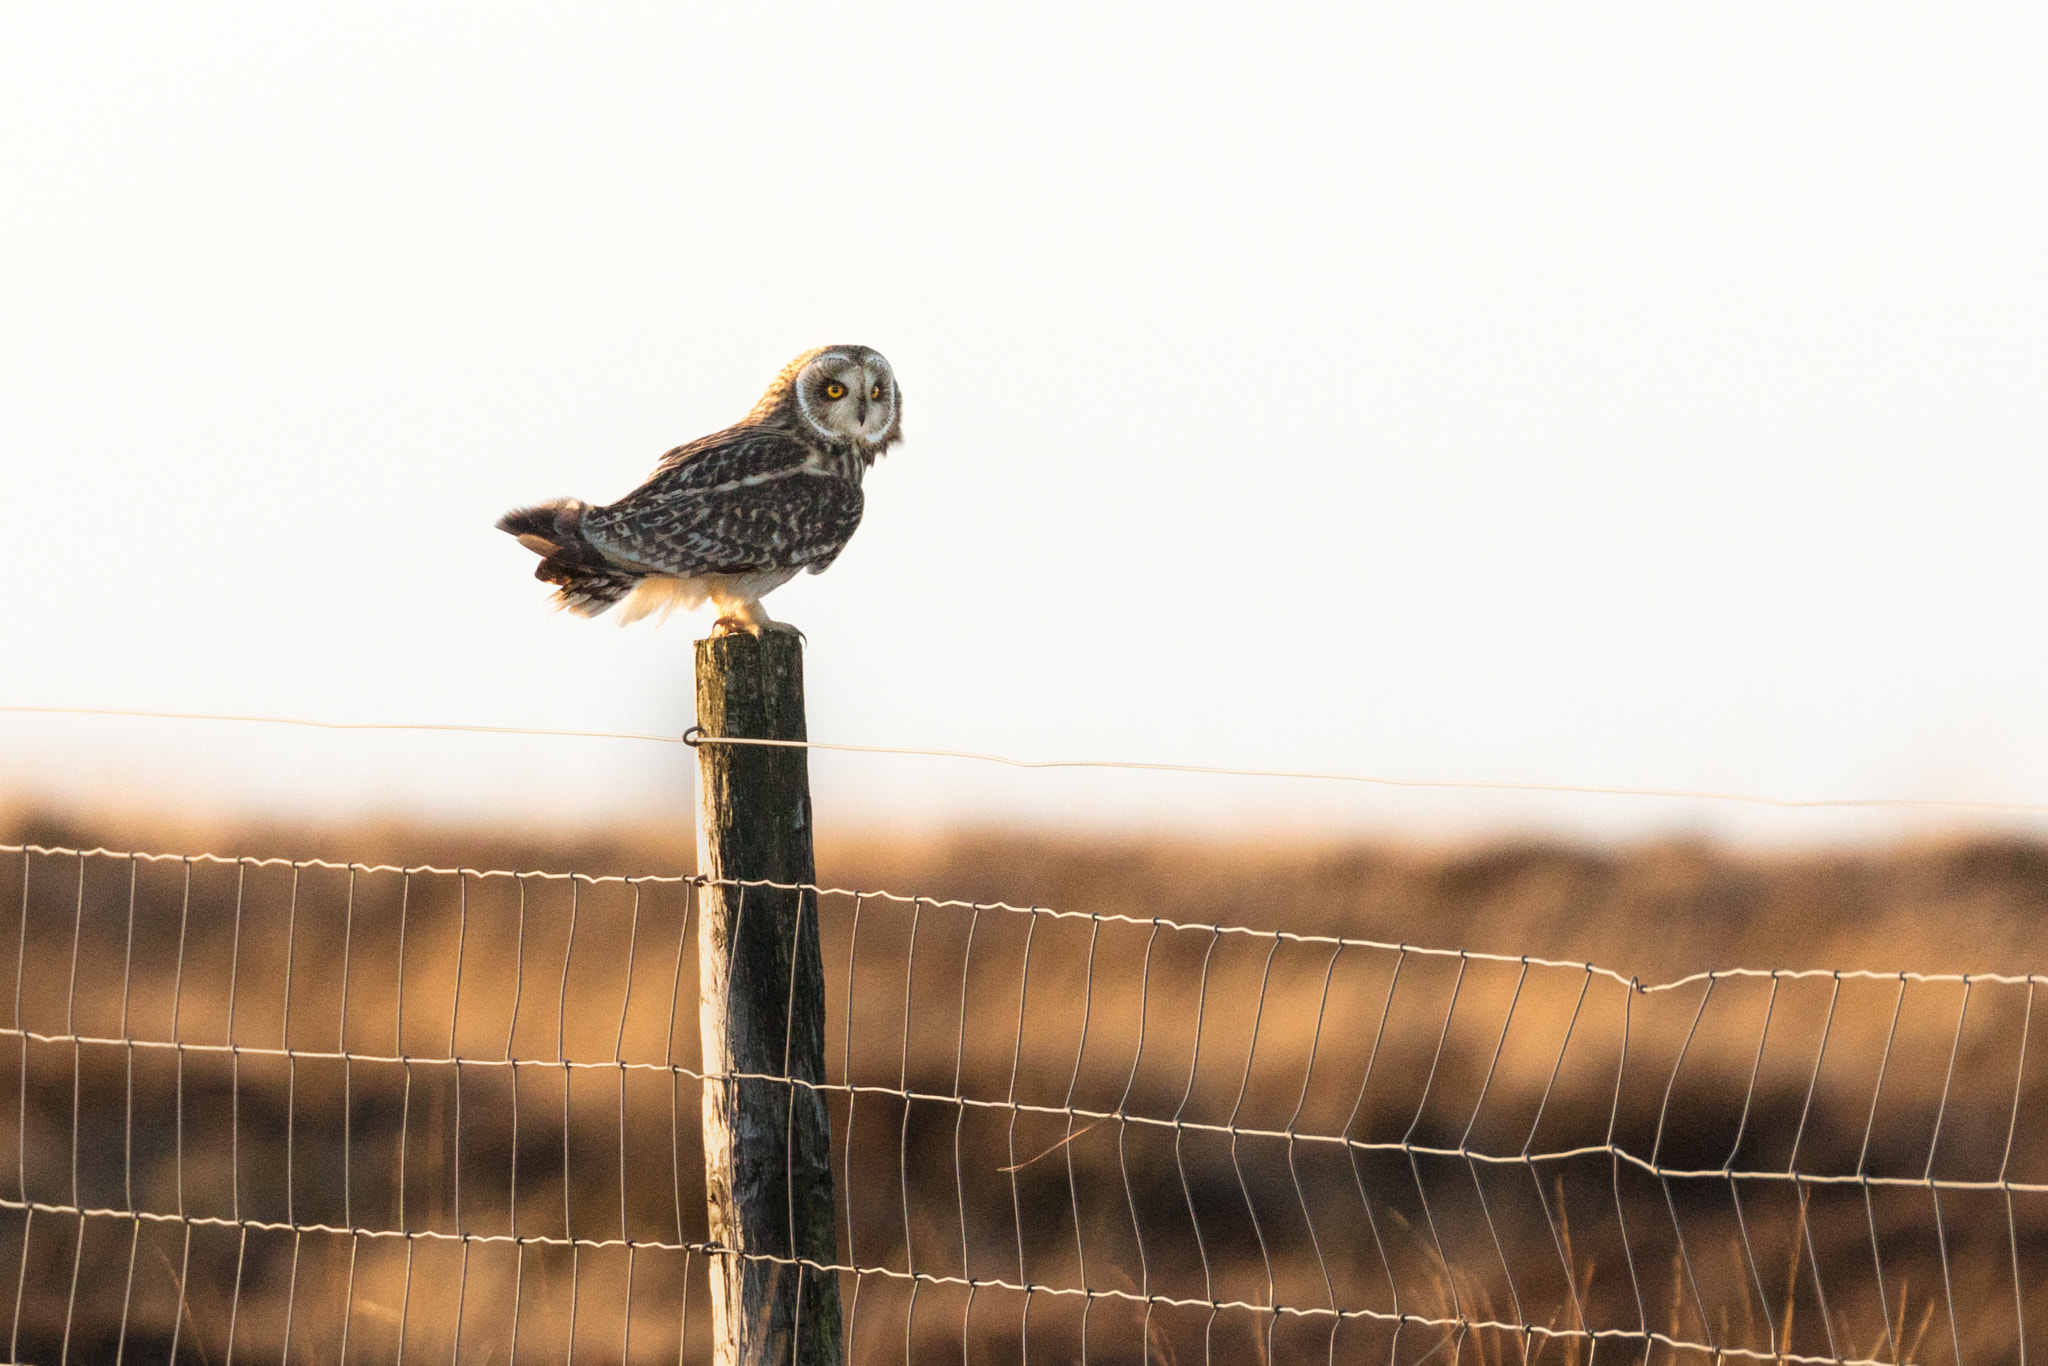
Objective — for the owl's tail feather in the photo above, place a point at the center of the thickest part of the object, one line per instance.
(586, 583)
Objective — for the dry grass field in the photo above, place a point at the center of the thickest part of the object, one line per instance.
(1369, 1136)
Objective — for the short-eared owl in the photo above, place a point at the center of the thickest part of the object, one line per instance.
(734, 515)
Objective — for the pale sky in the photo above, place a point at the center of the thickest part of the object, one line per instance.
(1625, 395)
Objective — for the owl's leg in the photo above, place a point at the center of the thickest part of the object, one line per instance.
(746, 615)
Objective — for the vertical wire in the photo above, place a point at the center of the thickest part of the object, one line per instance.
(1820, 1054)
(960, 1106)
(178, 1314)
(852, 1112)
(235, 1301)
(903, 1129)
(1500, 1044)
(1933, 1146)
(1884, 1066)
(348, 926)
(626, 1338)
(2004, 1166)
(348, 1207)
(1237, 1167)
(21, 1039)
(1863, 1153)
(1408, 1139)
(1010, 1099)
(21, 1288)
(1755, 1069)
(128, 1292)
(1820, 1293)
(405, 1297)
(462, 1301)
(291, 1094)
(1884, 1308)
(512, 1066)
(454, 1154)
(1656, 1161)
(21, 1129)
(675, 1083)
(909, 1324)
(619, 1057)
(77, 1099)
(128, 1117)
(1955, 1046)
(1557, 1063)
(1350, 1144)
(1948, 1288)
(1123, 1127)
(235, 1075)
(1179, 1134)
(518, 1297)
(959, 1121)
(178, 1052)
(562, 1057)
(1571, 1278)
(1728, 1163)
(348, 1301)
(404, 1060)
(291, 1300)
(1571, 1275)
(1677, 1066)
(454, 1178)
(1067, 1138)
(575, 1297)
(1293, 1167)
(1613, 1115)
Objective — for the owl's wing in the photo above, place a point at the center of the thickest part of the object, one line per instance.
(733, 502)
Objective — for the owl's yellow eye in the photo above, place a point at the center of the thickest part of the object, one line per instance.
(876, 393)
(835, 390)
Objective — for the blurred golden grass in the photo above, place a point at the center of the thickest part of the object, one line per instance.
(1163, 1030)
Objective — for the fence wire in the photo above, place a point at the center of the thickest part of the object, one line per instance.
(305, 1111)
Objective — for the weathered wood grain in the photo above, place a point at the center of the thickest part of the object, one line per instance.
(767, 1143)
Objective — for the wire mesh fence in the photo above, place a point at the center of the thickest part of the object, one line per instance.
(307, 1111)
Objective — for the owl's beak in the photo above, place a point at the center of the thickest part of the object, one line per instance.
(861, 412)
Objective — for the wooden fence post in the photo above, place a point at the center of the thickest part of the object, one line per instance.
(761, 1008)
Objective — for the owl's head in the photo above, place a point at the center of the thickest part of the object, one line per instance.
(845, 394)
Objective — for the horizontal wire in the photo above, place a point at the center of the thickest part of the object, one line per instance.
(1616, 1152)
(340, 725)
(1369, 779)
(1381, 780)
(1042, 912)
(1072, 1112)
(929, 1278)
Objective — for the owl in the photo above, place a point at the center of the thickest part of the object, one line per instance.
(729, 517)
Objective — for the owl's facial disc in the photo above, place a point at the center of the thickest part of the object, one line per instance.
(849, 397)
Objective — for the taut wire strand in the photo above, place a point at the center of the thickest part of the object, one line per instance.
(694, 737)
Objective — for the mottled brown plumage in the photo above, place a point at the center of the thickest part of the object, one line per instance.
(734, 515)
